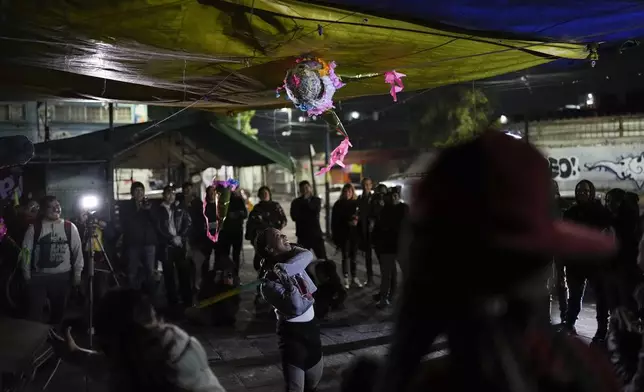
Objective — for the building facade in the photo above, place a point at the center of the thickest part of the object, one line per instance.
(57, 120)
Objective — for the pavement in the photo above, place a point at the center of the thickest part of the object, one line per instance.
(245, 358)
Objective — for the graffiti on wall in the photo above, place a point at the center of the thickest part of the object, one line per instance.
(564, 168)
(630, 167)
(10, 183)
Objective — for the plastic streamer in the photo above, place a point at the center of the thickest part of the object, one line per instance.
(337, 156)
(223, 191)
(3, 229)
(395, 80)
(24, 252)
(227, 294)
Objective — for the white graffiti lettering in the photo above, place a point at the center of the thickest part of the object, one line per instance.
(627, 168)
(566, 168)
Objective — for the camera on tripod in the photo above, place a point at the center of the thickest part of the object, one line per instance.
(89, 205)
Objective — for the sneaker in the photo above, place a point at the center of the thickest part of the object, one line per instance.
(369, 282)
(347, 283)
(356, 282)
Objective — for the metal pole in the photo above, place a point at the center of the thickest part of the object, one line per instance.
(327, 184)
(110, 163)
(313, 183)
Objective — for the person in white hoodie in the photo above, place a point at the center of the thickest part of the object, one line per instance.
(139, 351)
(53, 261)
(287, 287)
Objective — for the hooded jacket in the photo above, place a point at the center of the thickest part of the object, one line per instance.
(186, 356)
(288, 288)
(265, 214)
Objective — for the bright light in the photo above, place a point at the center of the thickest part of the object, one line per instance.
(590, 96)
(301, 119)
(89, 202)
(503, 119)
(513, 135)
(590, 102)
(285, 110)
(286, 133)
(355, 115)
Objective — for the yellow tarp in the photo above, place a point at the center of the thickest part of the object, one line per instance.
(235, 53)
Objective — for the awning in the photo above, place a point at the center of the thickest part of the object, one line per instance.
(231, 55)
(197, 139)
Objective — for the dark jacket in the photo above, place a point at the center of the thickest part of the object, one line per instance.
(306, 215)
(386, 233)
(182, 222)
(237, 213)
(624, 344)
(139, 226)
(365, 213)
(342, 215)
(264, 215)
(195, 210)
(592, 214)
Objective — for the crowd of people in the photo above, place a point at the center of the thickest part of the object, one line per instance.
(480, 275)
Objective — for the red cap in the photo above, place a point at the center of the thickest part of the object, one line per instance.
(497, 190)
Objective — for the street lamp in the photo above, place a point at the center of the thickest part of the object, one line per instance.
(355, 115)
(503, 119)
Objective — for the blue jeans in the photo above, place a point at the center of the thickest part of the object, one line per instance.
(141, 257)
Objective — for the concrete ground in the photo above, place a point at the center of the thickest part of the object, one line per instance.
(246, 359)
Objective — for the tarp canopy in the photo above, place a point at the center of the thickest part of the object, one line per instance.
(589, 21)
(231, 55)
(196, 139)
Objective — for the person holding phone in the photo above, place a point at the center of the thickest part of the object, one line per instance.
(139, 238)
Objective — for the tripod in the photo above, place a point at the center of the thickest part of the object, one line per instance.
(90, 236)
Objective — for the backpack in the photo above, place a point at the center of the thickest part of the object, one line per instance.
(37, 231)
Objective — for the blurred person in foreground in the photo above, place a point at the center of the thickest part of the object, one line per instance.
(287, 287)
(305, 212)
(625, 334)
(139, 351)
(590, 212)
(476, 275)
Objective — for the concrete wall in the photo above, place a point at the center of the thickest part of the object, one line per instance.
(607, 166)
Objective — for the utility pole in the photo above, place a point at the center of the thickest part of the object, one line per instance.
(109, 169)
(327, 184)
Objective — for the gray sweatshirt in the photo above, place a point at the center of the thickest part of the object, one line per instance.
(51, 254)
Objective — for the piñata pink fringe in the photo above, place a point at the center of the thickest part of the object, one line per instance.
(337, 156)
(395, 80)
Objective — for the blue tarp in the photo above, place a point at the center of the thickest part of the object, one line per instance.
(572, 20)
